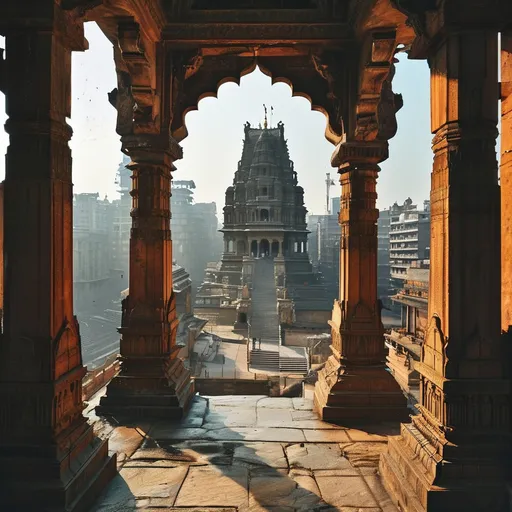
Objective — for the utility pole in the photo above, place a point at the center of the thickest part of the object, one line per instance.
(328, 184)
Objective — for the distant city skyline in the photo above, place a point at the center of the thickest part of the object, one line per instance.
(212, 149)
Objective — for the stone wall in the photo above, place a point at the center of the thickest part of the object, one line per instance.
(232, 386)
(313, 317)
(216, 316)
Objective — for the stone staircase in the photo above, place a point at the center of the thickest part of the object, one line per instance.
(265, 325)
(293, 364)
(267, 360)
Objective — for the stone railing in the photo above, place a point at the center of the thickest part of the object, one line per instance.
(95, 379)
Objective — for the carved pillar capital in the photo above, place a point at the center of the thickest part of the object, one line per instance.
(155, 148)
(357, 154)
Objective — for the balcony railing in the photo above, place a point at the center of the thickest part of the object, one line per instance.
(403, 256)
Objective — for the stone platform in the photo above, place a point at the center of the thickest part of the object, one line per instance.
(247, 454)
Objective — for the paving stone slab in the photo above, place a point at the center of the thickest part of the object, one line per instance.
(303, 415)
(262, 454)
(210, 486)
(279, 435)
(126, 440)
(299, 494)
(316, 456)
(302, 404)
(274, 418)
(275, 403)
(230, 417)
(351, 491)
(152, 450)
(135, 488)
(326, 436)
(164, 431)
(247, 401)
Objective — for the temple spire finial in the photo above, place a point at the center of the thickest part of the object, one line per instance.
(265, 123)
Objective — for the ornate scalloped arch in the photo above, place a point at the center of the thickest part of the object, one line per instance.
(196, 77)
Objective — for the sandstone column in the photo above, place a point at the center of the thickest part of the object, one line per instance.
(48, 453)
(355, 386)
(152, 380)
(506, 180)
(455, 455)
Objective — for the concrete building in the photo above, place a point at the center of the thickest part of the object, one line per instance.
(383, 259)
(122, 222)
(91, 252)
(413, 300)
(409, 239)
(195, 236)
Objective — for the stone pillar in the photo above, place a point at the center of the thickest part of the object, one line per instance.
(506, 179)
(48, 452)
(152, 381)
(355, 386)
(455, 454)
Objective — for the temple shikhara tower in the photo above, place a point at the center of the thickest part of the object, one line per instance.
(265, 235)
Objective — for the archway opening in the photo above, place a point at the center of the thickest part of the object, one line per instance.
(254, 248)
(264, 248)
(275, 249)
(264, 215)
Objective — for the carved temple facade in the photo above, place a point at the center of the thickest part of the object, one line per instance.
(264, 217)
(340, 54)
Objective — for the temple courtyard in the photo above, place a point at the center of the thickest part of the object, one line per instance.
(244, 453)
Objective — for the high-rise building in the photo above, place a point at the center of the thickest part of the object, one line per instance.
(122, 221)
(383, 264)
(409, 238)
(195, 236)
(91, 254)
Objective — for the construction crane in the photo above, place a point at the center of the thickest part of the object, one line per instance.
(328, 184)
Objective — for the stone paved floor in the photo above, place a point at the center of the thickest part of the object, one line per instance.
(245, 454)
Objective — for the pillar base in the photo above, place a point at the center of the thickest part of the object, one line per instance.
(130, 395)
(418, 479)
(358, 394)
(67, 474)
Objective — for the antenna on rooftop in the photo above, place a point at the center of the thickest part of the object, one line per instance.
(328, 184)
(265, 124)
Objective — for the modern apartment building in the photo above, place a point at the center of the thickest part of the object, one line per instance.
(409, 239)
(383, 262)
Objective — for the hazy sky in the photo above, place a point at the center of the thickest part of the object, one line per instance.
(213, 147)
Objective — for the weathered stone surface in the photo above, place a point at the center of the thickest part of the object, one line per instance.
(306, 414)
(236, 401)
(299, 493)
(326, 436)
(222, 417)
(262, 454)
(269, 417)
(352, 491)
(169, 431)
(303, 404)
(316, 456)
(210, 486)
(135, 488)
(279, 435)
(125, 440)
(276, 403)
